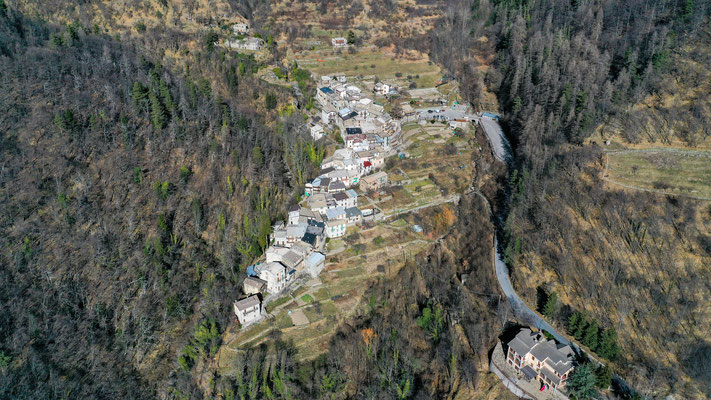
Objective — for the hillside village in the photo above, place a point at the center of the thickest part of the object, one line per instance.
(331, 204)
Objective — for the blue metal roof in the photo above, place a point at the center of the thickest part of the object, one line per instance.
(251, 271)
(326, 90)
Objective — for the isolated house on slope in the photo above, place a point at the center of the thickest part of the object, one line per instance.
(249, 310)
(541, 359)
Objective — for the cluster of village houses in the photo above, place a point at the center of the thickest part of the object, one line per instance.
(331, 204)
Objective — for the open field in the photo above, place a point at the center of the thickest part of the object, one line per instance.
(368, 62)
(677, 172)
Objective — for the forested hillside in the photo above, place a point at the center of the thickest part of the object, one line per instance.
(568, 73)
(131, 197)
(425, 334)
(141, 167)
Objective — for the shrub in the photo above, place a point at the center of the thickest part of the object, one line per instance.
(185, 173)
(432, 320)
(162, 189)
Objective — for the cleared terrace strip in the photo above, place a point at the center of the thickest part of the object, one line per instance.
(451, 199)
(655, 191)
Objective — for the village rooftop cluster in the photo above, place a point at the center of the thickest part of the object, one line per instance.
(331, 204)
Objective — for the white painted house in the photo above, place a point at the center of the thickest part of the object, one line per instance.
(339, 42)
(249, 310)
(335, 228)
(275, 275)
(317, 132)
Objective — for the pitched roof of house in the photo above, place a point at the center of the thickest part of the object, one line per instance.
(254, 282)
(296, 230)
(301, 248)
(352, 212)
(558, 358)
(309, 238)
(341, 196)
(250, 301)
(335, 213)
(290, 258)
(338, 185)
(548, 373)
(315, 258)
(524, 341)
(272, 267)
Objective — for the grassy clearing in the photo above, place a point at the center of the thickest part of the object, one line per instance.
(685, 173)
(370, 63)
(307, 298)
(335, 244)
(284, 321)
(350, 273)
(313, 313)
(322, 294)
(276, 303)
(298, 292)
(328, 308)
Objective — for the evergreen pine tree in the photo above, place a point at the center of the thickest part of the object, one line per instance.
(590, 337)
(157, 112)
(603, 377)
(581, 382)
(579, 331)
(166, 96)
(139, 94)
(551, 302)
(608, 344)
(574, 322)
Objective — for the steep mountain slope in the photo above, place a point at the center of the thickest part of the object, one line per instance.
(568, 73)
(131, 196)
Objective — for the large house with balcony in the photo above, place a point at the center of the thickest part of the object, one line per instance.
(531, 354)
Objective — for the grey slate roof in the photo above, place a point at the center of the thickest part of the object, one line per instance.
(352, 212)
(335, 213)
(254, 282)
(291, 259)
(524, 341)
(529, 372)
(548, 373)
(337, 185)
(341, 196)
(556, 357)
(244, 304)
(553, 357)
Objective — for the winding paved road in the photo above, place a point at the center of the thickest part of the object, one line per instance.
(519, 307)
(502, 151)
(499, 144)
